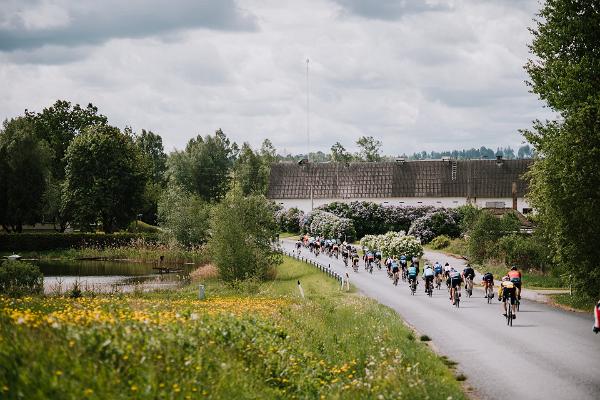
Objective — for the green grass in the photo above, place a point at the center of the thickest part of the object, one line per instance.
(284, 235)
(142, 252)
(577, 301)
(250, 341)
(457, 247)
(531, 279)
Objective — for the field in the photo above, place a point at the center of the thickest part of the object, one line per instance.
(247, 341)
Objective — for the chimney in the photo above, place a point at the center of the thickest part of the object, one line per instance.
(514, 195)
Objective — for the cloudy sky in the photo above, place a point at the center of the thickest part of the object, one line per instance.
(416, 74)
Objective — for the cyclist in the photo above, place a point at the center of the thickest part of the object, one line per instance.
(395, 272)
(378, 258)
(468, 276)
(413, 272)
(388, 264)
(428, 277)
(453, 281)
(415, 264)
(515, 277)
(507, 291)
(438, 271)
(488, 283)
(597, 318)
(355, 259)
(298, 246)
(336, 250)
(369, 258)
(446, 270)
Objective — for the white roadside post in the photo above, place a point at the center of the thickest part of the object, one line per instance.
(201, 293)
(301, 290)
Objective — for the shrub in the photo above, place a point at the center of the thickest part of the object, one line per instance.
(52, 241)
(486, 232)
(371, 218)
(525, 251)
(243, 234)
(289, 220)
(184, 217)
(326, 224)
(440, 242)
(440, 222)
(18, 278)
(394, 244)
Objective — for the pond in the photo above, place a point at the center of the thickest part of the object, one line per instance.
(107, 276)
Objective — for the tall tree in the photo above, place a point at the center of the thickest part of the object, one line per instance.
(58, 125)
(153, 154)
(24, 170)
(204, 167)
(105, 179)
(339, 153)
(565, 179)
(251, 171)
(370, 148)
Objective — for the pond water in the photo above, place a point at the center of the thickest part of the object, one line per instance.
(107, 276)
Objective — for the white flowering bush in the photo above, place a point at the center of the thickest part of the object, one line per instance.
(328, 225)
(394, 244)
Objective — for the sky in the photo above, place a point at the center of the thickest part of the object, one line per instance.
(414, 74)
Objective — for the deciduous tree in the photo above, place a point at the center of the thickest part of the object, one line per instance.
(104, 178)
(565, 179)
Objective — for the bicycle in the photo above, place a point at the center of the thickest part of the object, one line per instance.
(438, 282)
(404, 274)
(509, 314)
(489, 293)
(469, 286)
(456, 298)
(396, 278)
(413, 286)
(371, 268)
(429, 288)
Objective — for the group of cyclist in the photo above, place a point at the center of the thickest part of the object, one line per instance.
(509, 290)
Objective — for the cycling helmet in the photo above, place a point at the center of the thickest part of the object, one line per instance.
(403, 257)
(513, 268)
(447, 265)
(505, 278)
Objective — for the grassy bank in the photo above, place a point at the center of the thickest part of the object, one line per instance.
(576, 301)
(254, 341)
(531, 278)
(138, 251)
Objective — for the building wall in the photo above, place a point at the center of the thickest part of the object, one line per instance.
(447, 202)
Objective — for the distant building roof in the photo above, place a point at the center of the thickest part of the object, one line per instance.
(425, 178)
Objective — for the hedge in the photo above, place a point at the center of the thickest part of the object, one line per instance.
(51, 241)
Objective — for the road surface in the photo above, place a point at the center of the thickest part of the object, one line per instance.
(547, 353)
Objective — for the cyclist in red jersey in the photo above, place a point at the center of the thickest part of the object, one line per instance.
(515, 277)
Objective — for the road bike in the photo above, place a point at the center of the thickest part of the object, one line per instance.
(404, 274)
(469, 287)
(413, 286)
(429, 288)
(370, 268)
(509, 314)
(489, 293)
(396, 278)
(438, 282)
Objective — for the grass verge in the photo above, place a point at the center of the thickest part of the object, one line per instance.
(531, 279)
(577, 301)
(246, 341)
(138, 251)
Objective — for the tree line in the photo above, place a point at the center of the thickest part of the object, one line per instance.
(370, 151)
(67, 166)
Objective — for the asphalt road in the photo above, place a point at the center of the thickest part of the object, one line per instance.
(546, 354)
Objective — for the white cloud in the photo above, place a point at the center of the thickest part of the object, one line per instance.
(439, 77)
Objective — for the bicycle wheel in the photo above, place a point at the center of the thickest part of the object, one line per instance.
(457, 302)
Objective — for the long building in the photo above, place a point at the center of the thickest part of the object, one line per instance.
(442, 183)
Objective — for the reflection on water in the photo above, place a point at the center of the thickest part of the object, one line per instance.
(106, 276)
